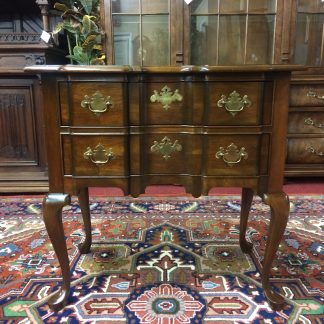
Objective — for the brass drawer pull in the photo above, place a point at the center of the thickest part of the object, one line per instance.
(97, 103)
(310, 121)
(234, 103)
(99, 155)
(165, 147)
(313, 150)
(231, 155)
(166, 97)
(314, 94)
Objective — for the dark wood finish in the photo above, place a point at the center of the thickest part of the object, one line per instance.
(305, 139)
(22, 151)
(197, 162)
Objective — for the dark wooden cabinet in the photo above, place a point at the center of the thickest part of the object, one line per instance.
(22, 152)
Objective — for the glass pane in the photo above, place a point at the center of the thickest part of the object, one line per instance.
(231, 39)
(204, 40)
(262, 6)
(259, 48)
(309, 39)
(155, 7)
(310, 6)
(155, 41)
(126, 37)
(232, 6)
(204, 7)
(125, 6)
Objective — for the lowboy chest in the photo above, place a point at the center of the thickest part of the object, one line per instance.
(197, 126)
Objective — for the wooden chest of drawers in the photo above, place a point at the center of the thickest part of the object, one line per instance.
(199, 127)
(305, 142)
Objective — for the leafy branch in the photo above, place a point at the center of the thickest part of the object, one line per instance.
(81, 22)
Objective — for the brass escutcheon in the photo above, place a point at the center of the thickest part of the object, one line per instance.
(97, 103)
(99, 155)
(166, 97)
(231, 155)
(311, 149)
(234, 103)
(165, 147)
(310, 121)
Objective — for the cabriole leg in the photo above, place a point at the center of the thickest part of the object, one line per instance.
(83, 197)
(52, 210)
(247, 197)
(279, 204)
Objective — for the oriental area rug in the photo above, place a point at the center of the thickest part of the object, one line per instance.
(161, 260)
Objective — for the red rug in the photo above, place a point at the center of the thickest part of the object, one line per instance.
(157, 260)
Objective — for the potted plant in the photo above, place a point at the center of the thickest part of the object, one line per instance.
(81, 23)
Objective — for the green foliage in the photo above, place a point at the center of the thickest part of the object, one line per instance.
(80, 21)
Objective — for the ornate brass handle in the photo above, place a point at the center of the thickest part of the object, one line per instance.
(97, 103)
(310, 121)
(165, 147)
(166, 97)
(314, 94)
(99, 155)
(231, 155)
(234, 103)
(313, 150)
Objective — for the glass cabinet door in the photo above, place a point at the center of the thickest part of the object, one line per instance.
(141, 32)
(226, 32)
(309, 41)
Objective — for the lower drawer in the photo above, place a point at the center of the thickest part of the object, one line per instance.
(239, 155)
(93, 155)
(305, 150)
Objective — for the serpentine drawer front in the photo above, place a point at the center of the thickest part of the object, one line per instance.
(199, 127)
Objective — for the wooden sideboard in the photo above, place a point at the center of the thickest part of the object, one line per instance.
(197, 126)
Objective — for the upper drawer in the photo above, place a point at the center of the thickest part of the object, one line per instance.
(234, 103)
(92, 103)
(306, 122)
(307, 95)
(171, 102)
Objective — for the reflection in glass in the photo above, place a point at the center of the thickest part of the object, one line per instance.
(155, 7)
(126, 29)
(232, 38)
(204, 7)
(125, 6)
(155, 41)
(309, 39)
(262, 6)
(149, 46)
(260, 40)
(233, 6)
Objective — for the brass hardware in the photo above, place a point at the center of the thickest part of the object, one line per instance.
(97, 103)
(312, 150)
(99, 155)
(310, 121)
(231, 155)
(234, 103)
(314, 94)
(165, 147)
(166, 97)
